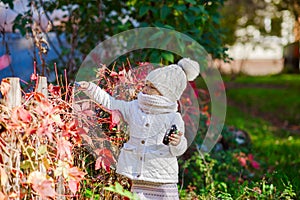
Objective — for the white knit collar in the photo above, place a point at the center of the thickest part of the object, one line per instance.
(155, 104)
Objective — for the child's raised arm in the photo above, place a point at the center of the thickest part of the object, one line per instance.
(102, 97)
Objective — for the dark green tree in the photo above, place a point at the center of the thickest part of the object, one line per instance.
(86, 23)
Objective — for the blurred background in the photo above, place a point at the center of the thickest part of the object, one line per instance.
(252, 37)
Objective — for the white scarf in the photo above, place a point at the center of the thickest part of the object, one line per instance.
(155, 104)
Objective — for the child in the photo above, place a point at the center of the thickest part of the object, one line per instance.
(151, 165)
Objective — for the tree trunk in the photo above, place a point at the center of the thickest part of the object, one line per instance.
(297, 20)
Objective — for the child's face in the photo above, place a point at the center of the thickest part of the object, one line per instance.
(150, 89)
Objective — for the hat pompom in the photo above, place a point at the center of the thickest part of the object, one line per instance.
(190, 67)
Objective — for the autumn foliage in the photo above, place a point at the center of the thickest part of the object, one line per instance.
(36, 144)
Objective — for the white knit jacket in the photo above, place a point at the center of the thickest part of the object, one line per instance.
(144, 156)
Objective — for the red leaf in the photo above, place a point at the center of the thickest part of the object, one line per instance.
(44, 107)
(113, 73)
(70, 129)
(84, 108)
(104, 160)
(255, 164)
(242, 161)
(64, 149)
(73, 185)
(41, 185)
(33, 77)
(54, 90)
(250, 157)
(38, 96)
(76, 175)
(115, 118)
(24, 115)
(122, 76)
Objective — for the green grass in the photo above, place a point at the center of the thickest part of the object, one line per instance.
(279, 103)
(277, 148)
(292, 80)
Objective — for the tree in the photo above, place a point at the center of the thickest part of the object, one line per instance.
(85, 23)
(294, 7)
(263, 18)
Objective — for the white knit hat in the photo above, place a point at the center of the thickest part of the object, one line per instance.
(171, 80)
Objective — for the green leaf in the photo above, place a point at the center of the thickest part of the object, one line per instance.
(88, 193)
(195, 9)
(189, 18)
(169, 27)
(143, 10)
(164, 12)
(30, 151)
(180, 44)
(156, 35)
(111, 188)
(154, 57)
(119, 188)
(191, 1)
(168, 56)
(42, 149)
(166, 42)
(25, 164)
(180, 7)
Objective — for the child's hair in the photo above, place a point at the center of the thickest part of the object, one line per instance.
(171, 80)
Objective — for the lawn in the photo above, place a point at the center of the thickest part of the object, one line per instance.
(268, 109)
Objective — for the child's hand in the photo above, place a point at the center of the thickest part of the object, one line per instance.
(175, 138)
(82, 85)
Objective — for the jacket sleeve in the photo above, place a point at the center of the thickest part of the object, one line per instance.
(182, 146)
(102, 97)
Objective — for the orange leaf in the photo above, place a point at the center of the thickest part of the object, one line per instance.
(2, 196)
(5, 86)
